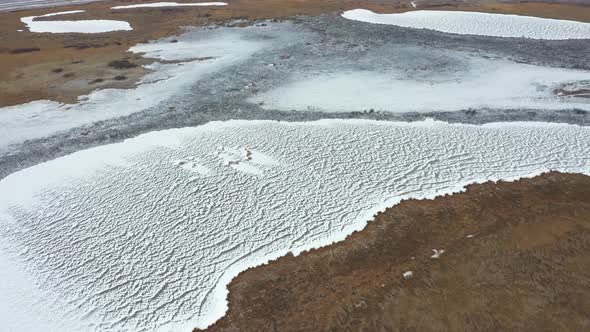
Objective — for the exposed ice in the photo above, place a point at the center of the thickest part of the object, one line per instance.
(80, 26)
(118, 237)
(171, 4)
(474, 23)
(485, 83)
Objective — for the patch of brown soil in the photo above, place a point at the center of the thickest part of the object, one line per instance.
(515, 259)
(27, 60)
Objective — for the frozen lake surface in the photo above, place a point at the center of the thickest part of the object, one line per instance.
(145, 234)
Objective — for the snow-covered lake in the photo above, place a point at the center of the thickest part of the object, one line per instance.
(474, 23)
(145, 235)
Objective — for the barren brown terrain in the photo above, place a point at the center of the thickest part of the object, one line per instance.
(62, 67)
(515, 259)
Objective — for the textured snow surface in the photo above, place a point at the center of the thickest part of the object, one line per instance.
(223, 46)
(484, 83)
(80, 26)
(145, 234)
(171, 4)
(474, 23)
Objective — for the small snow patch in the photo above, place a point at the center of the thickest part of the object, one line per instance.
(474, 23)
(408, 274)
(171, 4)
(437, 253)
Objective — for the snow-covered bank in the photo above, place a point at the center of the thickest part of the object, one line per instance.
(474, 23)
(146, 234)
(171, 4)
(80, 26)
(484, 83)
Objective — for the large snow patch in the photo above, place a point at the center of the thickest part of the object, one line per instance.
(474, 23)
(80, 26)
(483, 83)
(145, 235)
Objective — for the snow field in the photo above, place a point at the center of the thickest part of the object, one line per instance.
(481, 24)
(145, 234)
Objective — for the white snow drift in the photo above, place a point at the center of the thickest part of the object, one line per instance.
(80, 26)
(474, 23)
(483, 83)
(171, 4)
(145, 235)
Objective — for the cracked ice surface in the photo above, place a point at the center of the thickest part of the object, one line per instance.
(474, 23)
(146, 234)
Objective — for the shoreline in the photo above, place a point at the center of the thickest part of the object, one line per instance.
(381, 180)
(321, 289)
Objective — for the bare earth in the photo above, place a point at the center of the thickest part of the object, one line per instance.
(62, 67)
(515, 259)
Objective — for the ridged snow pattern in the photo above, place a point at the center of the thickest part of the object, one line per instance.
(146, 234)
(474, 23)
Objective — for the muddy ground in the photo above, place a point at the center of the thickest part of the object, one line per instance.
(515, 259)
